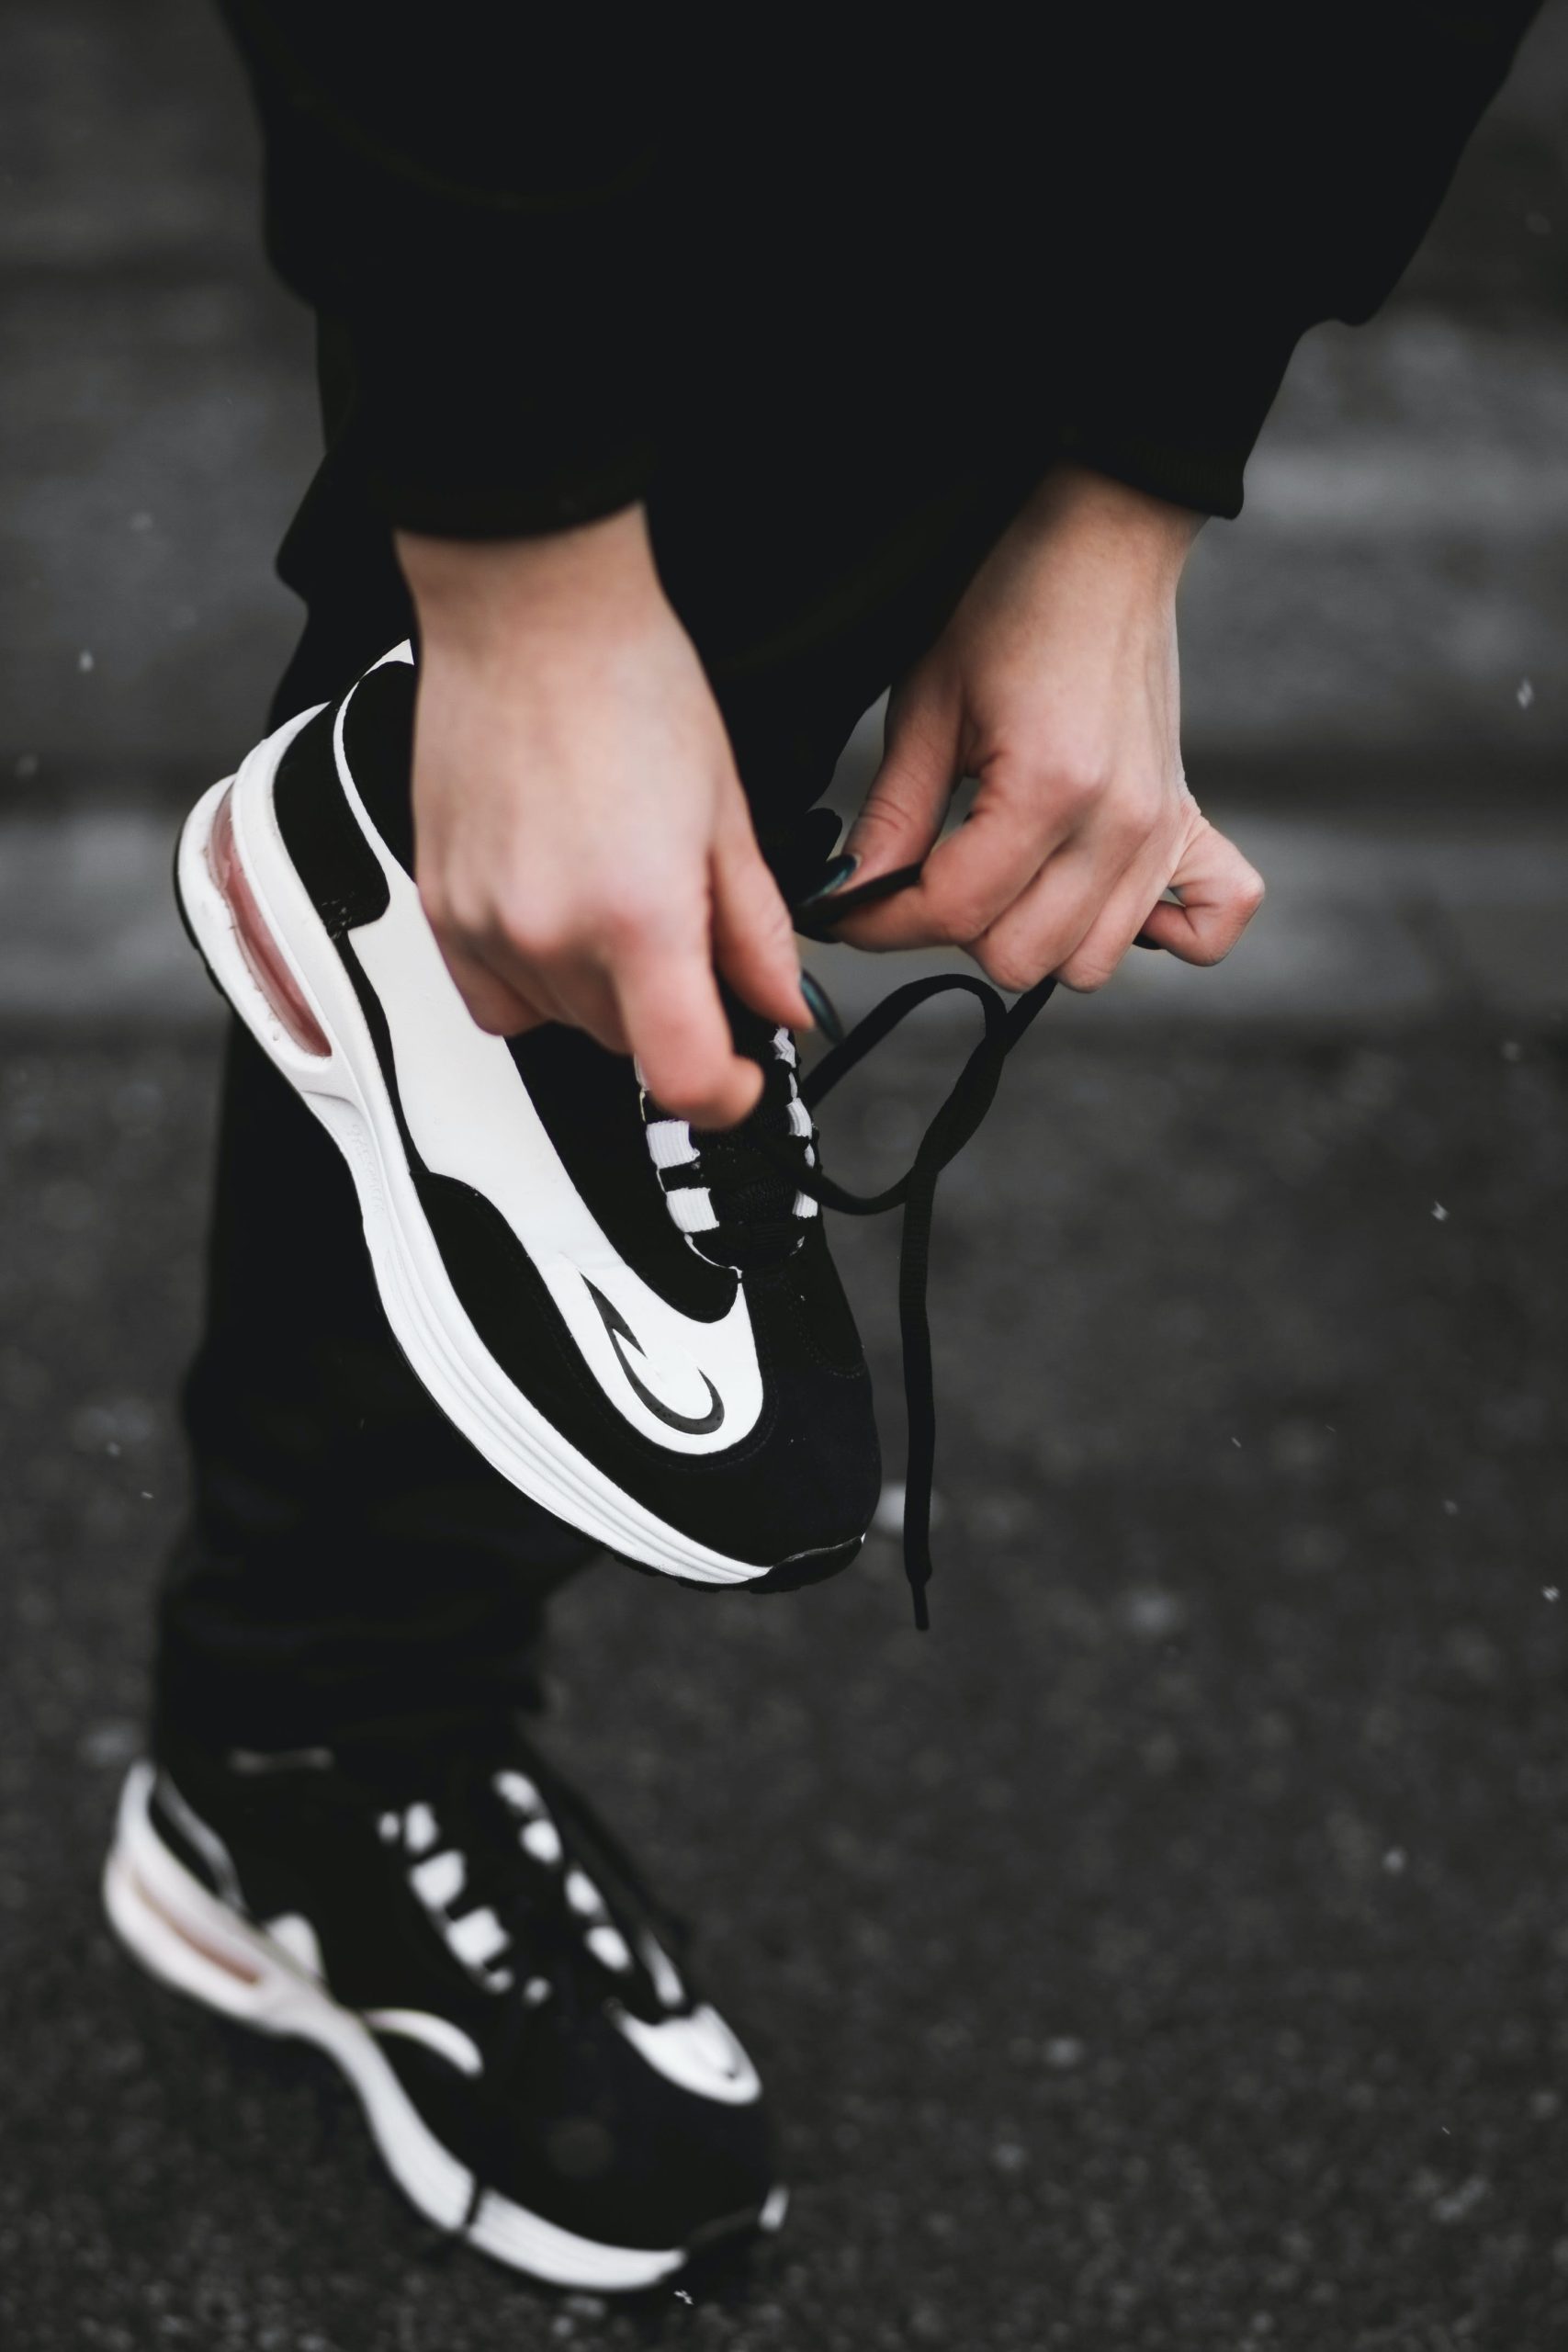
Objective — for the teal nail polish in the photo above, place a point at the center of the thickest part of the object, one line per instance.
(822, 1008)
(838, 874)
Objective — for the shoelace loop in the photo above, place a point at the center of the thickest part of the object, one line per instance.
(955, 1122)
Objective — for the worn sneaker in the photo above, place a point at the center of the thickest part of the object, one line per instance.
(638, 1325)
(450, 1925)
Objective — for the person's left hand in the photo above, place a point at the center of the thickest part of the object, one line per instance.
(1056, 684)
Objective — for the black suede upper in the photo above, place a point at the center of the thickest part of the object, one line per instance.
(569, 2118)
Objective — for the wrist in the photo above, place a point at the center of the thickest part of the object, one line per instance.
(474, 596)
(1102, 514)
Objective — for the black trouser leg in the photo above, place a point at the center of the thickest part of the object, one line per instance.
(348, 1555)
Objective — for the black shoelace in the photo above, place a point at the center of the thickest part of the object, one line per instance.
(750, 1175)
(955, 1121)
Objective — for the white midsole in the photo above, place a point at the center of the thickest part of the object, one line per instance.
(348, 1093)
(183, 1935)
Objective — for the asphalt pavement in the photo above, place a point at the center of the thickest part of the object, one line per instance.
(1168, 1950)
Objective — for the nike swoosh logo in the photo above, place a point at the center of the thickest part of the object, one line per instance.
(698, 2052)
(621, 1333)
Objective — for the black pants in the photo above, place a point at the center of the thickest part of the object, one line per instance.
(348, 1555)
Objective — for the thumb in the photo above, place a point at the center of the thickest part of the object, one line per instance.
(908, 800)
(753, 939)
(1217, 894)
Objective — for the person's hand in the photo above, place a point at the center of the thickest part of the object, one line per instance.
(1056, 684)
(583, 848)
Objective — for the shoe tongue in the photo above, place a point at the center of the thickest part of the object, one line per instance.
(738, 1166)
(413, 1757)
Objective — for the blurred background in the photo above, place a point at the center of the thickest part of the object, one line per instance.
(1169, 1951)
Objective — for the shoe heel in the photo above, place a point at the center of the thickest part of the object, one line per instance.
(177, 1931)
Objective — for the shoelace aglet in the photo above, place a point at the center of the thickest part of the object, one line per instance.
(922, 1610)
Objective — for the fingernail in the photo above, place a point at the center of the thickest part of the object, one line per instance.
(838, 874)
(822, 1008)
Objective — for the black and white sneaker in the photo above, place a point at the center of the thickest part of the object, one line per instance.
(640, 1326)
(450, 1925)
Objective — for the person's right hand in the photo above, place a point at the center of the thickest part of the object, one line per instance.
(583, 849)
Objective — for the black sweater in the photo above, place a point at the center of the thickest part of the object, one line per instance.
(554, 239)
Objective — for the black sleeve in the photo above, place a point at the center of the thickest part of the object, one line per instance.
(475, 195)
(469, 192)
(1241, 175)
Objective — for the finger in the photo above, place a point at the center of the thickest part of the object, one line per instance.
(678, 1030)
(494, 1004)
(1120, 922)
(968, 880)
(753, 939)
(1220, 892)
(584, 998)
(1041, 929)
(907, 804)
(568, 986)
(1025, 812)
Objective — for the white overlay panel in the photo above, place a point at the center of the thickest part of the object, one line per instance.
(471, 1118)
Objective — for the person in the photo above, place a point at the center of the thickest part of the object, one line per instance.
(681, 393)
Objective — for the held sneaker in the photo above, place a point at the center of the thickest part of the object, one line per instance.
(450, 1925)
(638, 1325)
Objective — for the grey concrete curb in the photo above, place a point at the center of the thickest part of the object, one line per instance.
(1371, 917)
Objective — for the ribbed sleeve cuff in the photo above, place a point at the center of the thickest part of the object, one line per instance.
(469, 433)
(499, 352)
(1176, 412)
